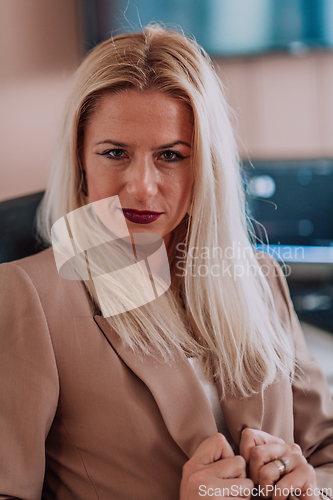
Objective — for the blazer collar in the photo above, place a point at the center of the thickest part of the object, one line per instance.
(270, 410)
(175, 388)
(240, 413)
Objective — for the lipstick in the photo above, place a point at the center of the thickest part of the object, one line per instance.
(141, 216)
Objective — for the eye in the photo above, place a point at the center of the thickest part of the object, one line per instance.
(114, 154)
(171, 156)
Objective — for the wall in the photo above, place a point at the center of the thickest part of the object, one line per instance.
(283, 104)
(39, 50)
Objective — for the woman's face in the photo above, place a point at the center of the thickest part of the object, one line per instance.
(137, 145)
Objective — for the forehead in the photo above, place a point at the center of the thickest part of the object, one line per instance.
(138, 113)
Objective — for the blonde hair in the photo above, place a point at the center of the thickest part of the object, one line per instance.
(229, 320)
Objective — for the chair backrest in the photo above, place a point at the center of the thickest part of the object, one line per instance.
(18, 237)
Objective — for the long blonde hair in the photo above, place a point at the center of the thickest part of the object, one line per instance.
(229, 320)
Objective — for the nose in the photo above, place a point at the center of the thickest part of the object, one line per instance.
(142, 179)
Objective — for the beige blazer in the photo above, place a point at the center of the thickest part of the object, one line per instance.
(82, 418)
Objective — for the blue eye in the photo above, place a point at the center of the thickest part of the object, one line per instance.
(113, 154)
(171, 156)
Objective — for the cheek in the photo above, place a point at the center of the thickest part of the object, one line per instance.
(181, 191)
(96, 189)
(101, 186)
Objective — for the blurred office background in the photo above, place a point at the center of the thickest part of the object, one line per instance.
(275, 59)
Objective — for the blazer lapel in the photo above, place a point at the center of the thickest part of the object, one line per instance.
(175, 388)
(240, 413)
(270, 410)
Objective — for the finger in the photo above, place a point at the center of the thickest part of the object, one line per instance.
(263, 454)
(254, 437)
(212, 449)
(270, 474)
(300, 482)
(228, 468)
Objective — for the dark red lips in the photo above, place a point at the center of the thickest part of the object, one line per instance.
(141, 216)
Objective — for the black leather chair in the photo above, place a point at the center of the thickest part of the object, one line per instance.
(18, 236)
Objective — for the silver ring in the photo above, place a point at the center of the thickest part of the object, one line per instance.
(282, 464)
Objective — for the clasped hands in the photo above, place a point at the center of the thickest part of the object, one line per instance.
(214, 470)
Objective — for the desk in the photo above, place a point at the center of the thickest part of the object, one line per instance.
(320, 344)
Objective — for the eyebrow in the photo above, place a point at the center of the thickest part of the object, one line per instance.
(123, 145)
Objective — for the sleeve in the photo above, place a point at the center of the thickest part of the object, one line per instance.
(29, 386)
(312, 400)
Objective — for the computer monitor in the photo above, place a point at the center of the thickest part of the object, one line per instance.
(292, 201)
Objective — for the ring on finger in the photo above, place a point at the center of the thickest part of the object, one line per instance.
(282, 464)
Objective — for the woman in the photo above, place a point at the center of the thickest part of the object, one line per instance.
(99, 402)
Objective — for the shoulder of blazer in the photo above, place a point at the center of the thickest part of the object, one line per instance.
(52, 288)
